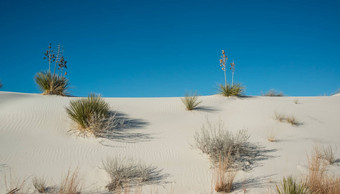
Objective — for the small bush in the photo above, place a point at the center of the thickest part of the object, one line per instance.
(39, 184)
(328, 154)
(224, 178)
(228, 90)
(87, 112)
(125, 173)
(190, 101)
(71, 183)
(296, 101)
(273, 93)
(290, 186)
(220, 143)
(51, 85)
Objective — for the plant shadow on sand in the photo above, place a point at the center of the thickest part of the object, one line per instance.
(253, 156)
(207, 109)
(123, 129)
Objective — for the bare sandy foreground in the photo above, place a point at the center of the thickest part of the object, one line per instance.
(35, 139)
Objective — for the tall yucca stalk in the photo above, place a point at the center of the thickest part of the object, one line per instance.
(232, 68)
(223, 62)
(83, 110)
(53, 83)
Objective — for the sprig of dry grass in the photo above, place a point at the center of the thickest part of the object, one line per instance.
(71, 183)
(224, 178)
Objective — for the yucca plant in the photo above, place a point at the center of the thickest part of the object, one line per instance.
(52, 85)
(290, 186)
(228, 90)
(191, 101)
(82, 111)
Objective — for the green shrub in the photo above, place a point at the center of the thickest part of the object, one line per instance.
(51, 85)
(228, 90)
(190, 101)
(83, 111)
(290, 186)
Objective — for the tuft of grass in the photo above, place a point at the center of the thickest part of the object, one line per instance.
(228, 90)
(284, 118)
(271, 138)
(52, 85)
(291, 186)
(220, 143)
(317, 179)
(71, 183)
(296, 101)
(40, 184)
(191, 101)
(88, 111)
(125, 173)
(224, 178)
(273, 93)
(328, 154)
(1, 84)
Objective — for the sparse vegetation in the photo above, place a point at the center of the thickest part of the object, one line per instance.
(126, 173)
(190, 101)
(273, 93)
(88, 113)
(71, 183)
(291, 186)
(296, 101)
(39, 184)
(220, 143)
(271, 138)
(228, 90)
(53, 83)
(1, 84)
(289, 119)
(14, 185)
(224, 178)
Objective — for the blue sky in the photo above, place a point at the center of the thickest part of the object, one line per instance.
(122, 48)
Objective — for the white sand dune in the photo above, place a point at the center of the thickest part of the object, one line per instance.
(35, 139)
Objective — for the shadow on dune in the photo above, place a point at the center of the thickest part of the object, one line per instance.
(253, 156)
(255, 182)
(123, 129)
(206, 109)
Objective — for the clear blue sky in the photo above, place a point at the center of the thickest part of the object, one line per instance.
(122, 48)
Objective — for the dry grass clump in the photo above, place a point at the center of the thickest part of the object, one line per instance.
(317, 180)
(40, 184)
(220, 143)
(88, 112)
(273, 93)
(52, 84)
(71, 183)
(231, 90)
(291, 186)
(271, 138)
(191, 101)
(224, 178)
(296, 101)
(289, 119)
(125, 173)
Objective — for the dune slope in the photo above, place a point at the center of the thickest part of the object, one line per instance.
(35, 139)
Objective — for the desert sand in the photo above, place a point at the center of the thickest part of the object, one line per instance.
(35, 139)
